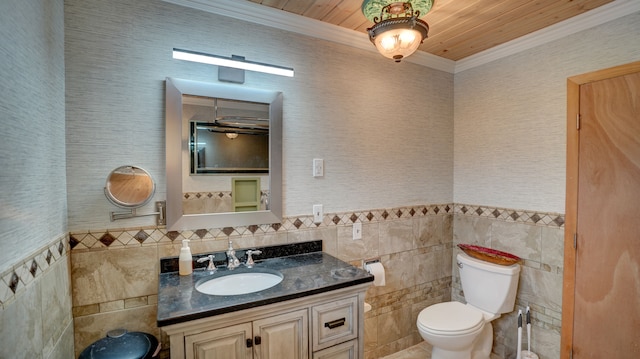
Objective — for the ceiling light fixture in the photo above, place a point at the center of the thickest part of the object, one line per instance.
(397, 31)
(231, 135)
(234, 62)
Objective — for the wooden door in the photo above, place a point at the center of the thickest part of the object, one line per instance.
(601, 297)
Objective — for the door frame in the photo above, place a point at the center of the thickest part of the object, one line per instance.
(571, 201)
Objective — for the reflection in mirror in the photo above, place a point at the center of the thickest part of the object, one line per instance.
(129, 187)
(227, 136)
(224, 155)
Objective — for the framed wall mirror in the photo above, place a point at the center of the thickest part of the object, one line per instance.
(224, 155)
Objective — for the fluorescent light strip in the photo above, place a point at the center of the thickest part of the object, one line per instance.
(228, 62)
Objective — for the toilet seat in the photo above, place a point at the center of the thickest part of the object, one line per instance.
(450, 319)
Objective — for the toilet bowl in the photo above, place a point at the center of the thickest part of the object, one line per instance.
(451, 328)
(464, 331)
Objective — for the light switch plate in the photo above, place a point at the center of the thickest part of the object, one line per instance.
(357, 231)
(318, 167)
(317, 213)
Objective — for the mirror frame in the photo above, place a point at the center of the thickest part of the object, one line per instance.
(176, 219)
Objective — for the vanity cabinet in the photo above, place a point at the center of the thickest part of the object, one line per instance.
(327, 325)
(280, 336)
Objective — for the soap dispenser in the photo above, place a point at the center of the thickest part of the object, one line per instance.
(185, 261)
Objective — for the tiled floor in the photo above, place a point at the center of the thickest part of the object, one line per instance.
(420, 351)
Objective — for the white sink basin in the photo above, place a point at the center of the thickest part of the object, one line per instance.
(239, 283)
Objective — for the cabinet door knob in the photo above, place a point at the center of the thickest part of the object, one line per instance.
(249, 343)
(335, 323)
(257, 340)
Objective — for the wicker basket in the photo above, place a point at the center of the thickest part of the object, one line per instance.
(489, 255)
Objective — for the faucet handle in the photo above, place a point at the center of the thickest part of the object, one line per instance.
(250, 261)
(211, 266)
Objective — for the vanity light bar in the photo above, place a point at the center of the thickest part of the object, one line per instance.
(229, 62)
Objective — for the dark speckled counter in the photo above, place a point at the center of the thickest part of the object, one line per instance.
(304, 274)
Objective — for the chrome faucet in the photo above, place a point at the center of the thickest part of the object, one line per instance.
(211, 267)
(232, 261)
(250, 261)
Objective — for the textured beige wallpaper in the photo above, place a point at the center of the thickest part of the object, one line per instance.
(32, 147)
(35, 290)
(510, 117)
(384, 130)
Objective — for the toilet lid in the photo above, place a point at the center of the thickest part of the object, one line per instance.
(450, 317)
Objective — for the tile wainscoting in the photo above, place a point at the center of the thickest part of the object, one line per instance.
(114, 272)
(538, 239)
(35, 305)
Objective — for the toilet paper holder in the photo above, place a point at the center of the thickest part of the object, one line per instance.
(374, 267)
(370, 261)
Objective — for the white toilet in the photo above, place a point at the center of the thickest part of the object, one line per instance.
(464, 331)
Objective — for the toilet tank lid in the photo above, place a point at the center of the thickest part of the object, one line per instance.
(490, 267)
(450, 317)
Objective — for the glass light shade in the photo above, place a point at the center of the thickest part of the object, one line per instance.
(398, 37)
(398, 43)
(398, 31)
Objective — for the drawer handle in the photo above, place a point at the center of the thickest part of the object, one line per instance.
(335, 323)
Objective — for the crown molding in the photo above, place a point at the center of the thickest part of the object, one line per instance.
(264, 15)
(584, 21)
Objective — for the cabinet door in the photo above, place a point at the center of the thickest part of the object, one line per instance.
(348, 350)
(225, 343)
(283, 336)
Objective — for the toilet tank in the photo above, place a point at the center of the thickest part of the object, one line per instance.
(487, 286)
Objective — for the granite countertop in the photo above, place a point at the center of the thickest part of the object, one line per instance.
(304, 274)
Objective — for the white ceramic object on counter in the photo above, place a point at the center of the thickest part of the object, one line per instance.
(239, 283)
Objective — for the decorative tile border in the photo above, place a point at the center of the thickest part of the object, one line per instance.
(15, 280)
(219, 194)
(198, 195)
(511, 215)
(121, 238)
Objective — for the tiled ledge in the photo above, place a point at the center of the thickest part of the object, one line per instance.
(119, 238)
(15, 280)
(115, 305)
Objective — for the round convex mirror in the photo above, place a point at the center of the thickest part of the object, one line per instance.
(129, 187)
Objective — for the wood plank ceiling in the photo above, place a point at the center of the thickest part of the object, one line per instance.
(458, 28)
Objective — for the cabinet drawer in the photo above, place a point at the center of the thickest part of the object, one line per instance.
(334, 322)
(348, 350)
